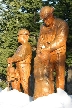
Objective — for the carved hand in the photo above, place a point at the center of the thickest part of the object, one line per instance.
(44, 55)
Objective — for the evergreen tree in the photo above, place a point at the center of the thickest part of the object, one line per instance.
(16, 14)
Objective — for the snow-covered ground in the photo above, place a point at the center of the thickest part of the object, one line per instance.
(16, 99)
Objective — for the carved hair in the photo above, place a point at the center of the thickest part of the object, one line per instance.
(23, 31)
(46, 11)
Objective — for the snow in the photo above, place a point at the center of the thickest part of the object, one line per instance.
(16, 99)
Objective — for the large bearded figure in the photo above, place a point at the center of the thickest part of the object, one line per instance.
(50, 54)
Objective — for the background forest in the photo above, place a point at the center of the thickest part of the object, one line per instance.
(17, 14)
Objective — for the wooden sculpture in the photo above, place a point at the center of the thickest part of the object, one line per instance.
(50, 54)
(22, 59)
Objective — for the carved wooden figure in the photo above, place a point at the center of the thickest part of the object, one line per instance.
(13, 78)
(22, 59)
(50, 54)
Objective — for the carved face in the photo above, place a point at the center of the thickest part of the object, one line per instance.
(49, 20)
(22, 38)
